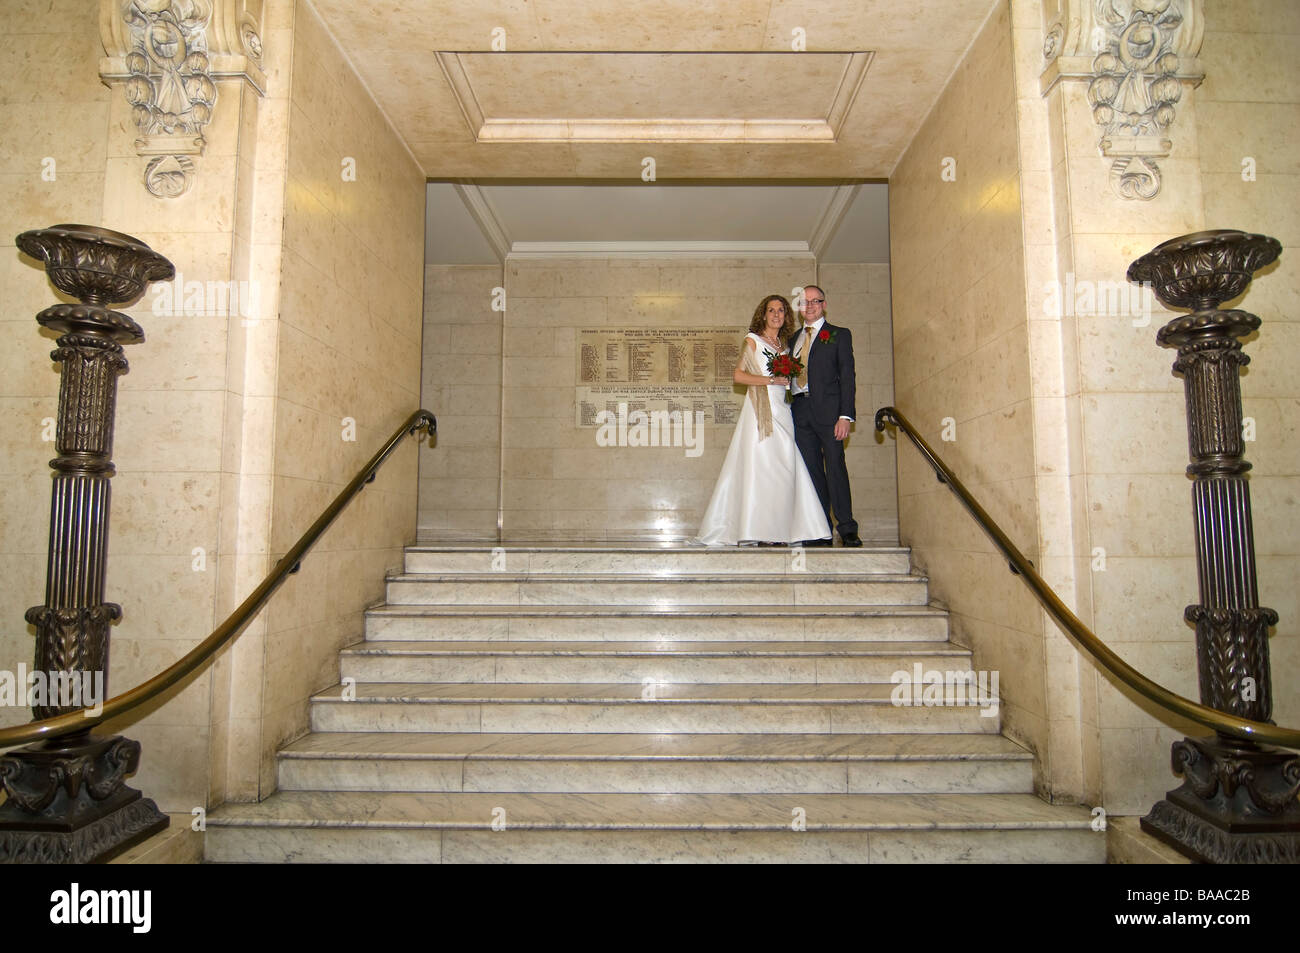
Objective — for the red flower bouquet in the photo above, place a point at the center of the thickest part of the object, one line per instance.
(787, 366)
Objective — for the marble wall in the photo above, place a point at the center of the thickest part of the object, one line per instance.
(1068, 765)
(1133, 407)
(234, 426)
(556, 481)
(961, 366)
(163, 564)
(347, 374)
(460, 479)
(1249, 109)
(1130, 513)
(1123, 446)
(63, 117)
(1083, 439)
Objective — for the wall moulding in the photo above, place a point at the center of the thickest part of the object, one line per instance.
(1136, 57)
(167, 55)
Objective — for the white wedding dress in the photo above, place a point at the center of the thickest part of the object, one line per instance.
(764, 493)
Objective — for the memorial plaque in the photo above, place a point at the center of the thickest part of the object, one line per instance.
(687, 370)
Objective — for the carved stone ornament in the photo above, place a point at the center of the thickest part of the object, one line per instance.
(168, 176)
(167, 55)
(1135, 56)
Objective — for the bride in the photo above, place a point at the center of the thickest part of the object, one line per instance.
(764, 493)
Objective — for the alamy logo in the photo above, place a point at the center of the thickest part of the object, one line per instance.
(196, 299)
(26, 689)
(656, 428)
(932, 688)
(103, 906)
(1085, 298)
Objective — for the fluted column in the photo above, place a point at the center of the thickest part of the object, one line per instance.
(1238, 800)
(66, 798)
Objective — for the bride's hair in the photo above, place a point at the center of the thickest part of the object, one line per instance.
(759, 322)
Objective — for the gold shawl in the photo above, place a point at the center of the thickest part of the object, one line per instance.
(754, 364)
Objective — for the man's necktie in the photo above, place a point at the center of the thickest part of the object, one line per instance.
(805, 346)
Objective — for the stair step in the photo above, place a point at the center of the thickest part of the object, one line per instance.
(803, 589)
(359, 827)
(636, 708)
(670, 561)
(656, 763)
(656, 622)
(601, 661)
(621, 702)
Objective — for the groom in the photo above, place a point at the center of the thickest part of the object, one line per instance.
(823, 408)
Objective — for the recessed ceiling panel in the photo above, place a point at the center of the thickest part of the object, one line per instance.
(672, 97)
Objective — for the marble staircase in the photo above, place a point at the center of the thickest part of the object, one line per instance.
(645, 703)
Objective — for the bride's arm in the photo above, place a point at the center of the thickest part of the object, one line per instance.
(742, 376)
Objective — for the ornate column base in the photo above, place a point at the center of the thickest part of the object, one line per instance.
(67, 802)
(1237, 803)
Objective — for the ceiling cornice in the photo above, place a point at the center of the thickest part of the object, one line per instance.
(455, 74)
(839, 205)
(480, 209)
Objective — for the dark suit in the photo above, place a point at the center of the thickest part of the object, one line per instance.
(832, 389)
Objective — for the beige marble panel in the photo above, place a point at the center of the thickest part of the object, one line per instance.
(1135, 433)
(173, 765)
(1140, 514)
(35, 203)
(1252, 16)
(1275, 450)
(1270, 75)
(169, 430)
(962, 357)
(54, 130)
(1257, 205)
(1258, 130)
(1137, 767)
(348, 346)
(463, 342)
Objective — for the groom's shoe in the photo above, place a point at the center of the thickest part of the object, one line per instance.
(817, 542)
(850, 540)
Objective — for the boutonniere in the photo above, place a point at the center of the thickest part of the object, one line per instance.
(826, 335)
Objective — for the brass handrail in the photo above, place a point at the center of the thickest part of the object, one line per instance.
(1086, 640)
(75, 722)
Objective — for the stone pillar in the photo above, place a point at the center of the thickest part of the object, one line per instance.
(67, 799)
(1238, 801)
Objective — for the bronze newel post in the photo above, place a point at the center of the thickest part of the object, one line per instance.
(1237, 803)
(67, 800)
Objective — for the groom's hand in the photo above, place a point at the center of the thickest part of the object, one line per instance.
(841, 429)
